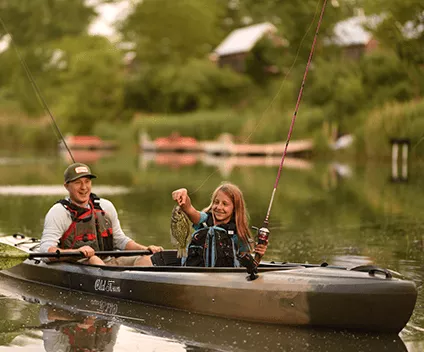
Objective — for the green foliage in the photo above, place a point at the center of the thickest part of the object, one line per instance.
(123, 134)
(196, 85)
(166, 31)
(385, 78)
(33, 22)
(296, 21)
(84, 82)
(273, 126)
(337, 88)
(264, 57)
(400, 29)
(17, 132)
(202, 125)
(393, 120)
(88, 85)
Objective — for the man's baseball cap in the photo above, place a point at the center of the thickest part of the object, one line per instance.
(77, 170)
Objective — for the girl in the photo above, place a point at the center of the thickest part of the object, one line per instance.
(222, 232)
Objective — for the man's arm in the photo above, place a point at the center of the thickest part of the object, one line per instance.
(56, 222)
(132, 245)
(120, 240)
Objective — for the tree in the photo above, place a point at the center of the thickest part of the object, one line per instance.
(337, 88)
(88, 82)
(33, 22)
(34, 26)
(166, 31)
(197, 84)
(400, 28)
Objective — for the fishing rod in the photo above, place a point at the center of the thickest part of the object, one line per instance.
(263, 232)
(36, 89)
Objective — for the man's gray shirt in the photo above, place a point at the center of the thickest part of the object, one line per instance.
(58, 220)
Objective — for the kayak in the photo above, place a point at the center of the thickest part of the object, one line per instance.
(196, 332)
(284, 293)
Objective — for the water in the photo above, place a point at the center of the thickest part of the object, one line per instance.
(343, 214)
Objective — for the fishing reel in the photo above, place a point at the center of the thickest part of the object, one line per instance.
(248, 261)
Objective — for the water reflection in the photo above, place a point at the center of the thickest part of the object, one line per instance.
(87, 321)
(63, 331)
(224, 164)
(59, 190)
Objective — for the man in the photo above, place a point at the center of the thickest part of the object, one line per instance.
(85, 222)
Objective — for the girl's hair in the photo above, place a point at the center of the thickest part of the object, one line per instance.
(240, 210)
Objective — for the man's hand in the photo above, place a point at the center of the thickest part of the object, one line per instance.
(87, 251)
(155, 249)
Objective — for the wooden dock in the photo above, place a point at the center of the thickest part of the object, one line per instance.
(224, 145)
(87, 143)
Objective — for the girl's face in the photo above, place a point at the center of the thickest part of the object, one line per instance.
(222, 208)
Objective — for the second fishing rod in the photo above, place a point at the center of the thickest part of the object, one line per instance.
(247, 260)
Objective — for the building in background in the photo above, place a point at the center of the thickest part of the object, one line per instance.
(235, 48)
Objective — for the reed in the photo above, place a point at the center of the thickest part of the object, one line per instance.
(393, 120)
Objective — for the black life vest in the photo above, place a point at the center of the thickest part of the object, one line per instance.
(214, 245)
(90, 226)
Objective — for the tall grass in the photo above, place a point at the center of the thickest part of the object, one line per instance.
(393, 120)
(19, 132)
(245, 125)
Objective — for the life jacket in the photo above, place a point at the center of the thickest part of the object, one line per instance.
(90, 226)
(213, 245)
(91, 339)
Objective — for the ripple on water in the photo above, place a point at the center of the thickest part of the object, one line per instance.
(45, 190)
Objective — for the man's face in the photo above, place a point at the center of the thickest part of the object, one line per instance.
(79, 190)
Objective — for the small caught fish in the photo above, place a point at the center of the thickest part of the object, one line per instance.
(180, 230)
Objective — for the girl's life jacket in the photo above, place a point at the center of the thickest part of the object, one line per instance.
(90, 226)
(214, 245)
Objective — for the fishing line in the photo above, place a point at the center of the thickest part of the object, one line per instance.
(36, 89)
(274, 97)
(299, 98)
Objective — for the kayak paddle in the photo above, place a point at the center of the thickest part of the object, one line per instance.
(11, 256)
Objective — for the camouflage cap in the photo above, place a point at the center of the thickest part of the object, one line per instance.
(77, 170)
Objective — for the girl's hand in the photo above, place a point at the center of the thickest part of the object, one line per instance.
(261, 249)
(181, 197)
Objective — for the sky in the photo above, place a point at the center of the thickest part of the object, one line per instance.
(108, 13)
(103, 24)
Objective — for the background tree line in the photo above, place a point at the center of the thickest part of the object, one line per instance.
(89, 80)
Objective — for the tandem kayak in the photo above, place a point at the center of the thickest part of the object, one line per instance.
(284, 293)
(194, 331)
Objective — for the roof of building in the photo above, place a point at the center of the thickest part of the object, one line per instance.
(242, 40)
(352, 31)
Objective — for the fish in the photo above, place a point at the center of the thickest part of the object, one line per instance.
(180, 230)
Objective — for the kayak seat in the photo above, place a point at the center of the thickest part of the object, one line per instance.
(166, 258)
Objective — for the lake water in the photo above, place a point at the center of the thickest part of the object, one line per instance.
(339, 213)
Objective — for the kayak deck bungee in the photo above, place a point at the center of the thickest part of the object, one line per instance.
(289, 294)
